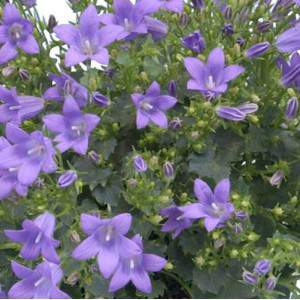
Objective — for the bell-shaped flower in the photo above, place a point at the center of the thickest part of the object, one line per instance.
(173, 5)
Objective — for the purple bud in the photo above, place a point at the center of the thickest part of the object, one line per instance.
(7, 71)
(228, 29)
(257, 50)
(250, 278)
(240, 41)
(291, 75)
(262, 267)
(172, 88)
(264, 26)
(198, 4)
(94, 156)
(292, 108)
(168, 169)
(67, 178)
(194, 42)
(184, 19)
(230, 113)
(276, 178)
(51, 23)
(241, 215)
(29, 3)
(238, 228)
(24, 74)
(176, 123)
(270, 283)
(68, 88)
(100, 99)
(139, 164)
(248, 108)
(228, 12)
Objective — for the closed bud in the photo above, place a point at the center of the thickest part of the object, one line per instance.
(270, 283)
(257, 50)
(75, 237)
(139, 164)
(264, 26)
(7, 71)
(248, 108)
(100, 99)
(228, 29)
(230, 113)
(172, 88)
(237, 228)
(67, 178)
(24, 74)
(227, 12)
(276, 178)
(73, 279)
(292, 108)
(168, 169)
(241, 215)
(198, 4)
(183, 19)
(51, 23)
(240, 41)
(94, 156)
(262, 267)
(250, 278)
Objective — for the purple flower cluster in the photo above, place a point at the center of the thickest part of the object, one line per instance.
(214, 207)
(119, 258)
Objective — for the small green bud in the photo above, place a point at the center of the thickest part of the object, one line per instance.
(291, 92)
(252, 237)
(234, 253)
(278, 211)
(169, 266)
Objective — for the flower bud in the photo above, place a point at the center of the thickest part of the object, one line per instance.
(262, 267)
(227, 12)
(237, 228)
(67, 178)
(257, 50)
(68, 88)
(29, 3)
(248, 108)
(94, 156)
(24, 74)
(230, 113)
(183, 19)
(198, 4)
(176, 123)
(100, 99)
(277, 177)
(292, 108)
(264, 26)
(240, 41)
(241, 215)
(172, 88)
(132, 182)
(139, 164)
(228, 29)
(168, 169)
(194, 42)
(270, 283)
(250, 278)
(51, 23)
(7, 71)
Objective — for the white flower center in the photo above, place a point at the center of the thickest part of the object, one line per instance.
(38, 238)
(128, 26)
(14, 107)
(41, 280)
(210, 82)
(78, 129)
(146, 106)
(88, 48)
(109, 233)
(16, 31)
(38, 149)
(131, 264)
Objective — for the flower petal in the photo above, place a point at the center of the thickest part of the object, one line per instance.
(74, 57)
(86, 249)
(222, 190)
(231, 72)
(67, 33)
(202, 190)
(108, 260)
(89, 223)
(120, 278)
(122, 223)
(153, 263)
(30, 45)
(7, 53)
(159, 118)
(20, 271)
(141, 280)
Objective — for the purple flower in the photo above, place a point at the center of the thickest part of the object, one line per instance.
(100, 99)
(16, 108)
(292, 108)
(264, 26)
(257, 50)
(276, 178)
(250, 278)
(134, 266)
(194, 42)
(173, 5)
(15, 32)
(214, 207)
(37, 238)
(289, 40)
(67, 178)
(66, 86)
(228, 29)
(9, 178)
(134, 19)
(290, 71)
(29, 3)
(176, 222)
(139, 164)
(270, 283)
(152, 106)
(230, 113)
(87, 41)
(168, 169)
(29, 154)
(211, 79)
(40, 283)
(262, 267)
(106, 241)
(73, 127)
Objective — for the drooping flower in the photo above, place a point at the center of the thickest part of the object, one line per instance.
(173, 5)
(139, 164)
(73, 127)
(87, 41)
(289, 40)
(40, 283)
(16, 108)
(15, 32)
(134, 267)
(250, 278)
(151, 107)
(292, 108)
(134, 19)
(29, 154)
(262, 267)
(106, 240)
(257, 50)
(66, 86)
(194, 41)
(215, 207)
(9, 178)
(37, 238)
(290, 71)
(211, 79)
(67, 178)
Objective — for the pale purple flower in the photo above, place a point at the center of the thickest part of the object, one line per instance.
(40, 283)
(37, 238)
(289, 40)
(250, 278)
(73, 127)
(9, 178)
(248, 107)
(215, 207)
(152, 106)
(15, 32)
(276, 178)
(29, 3)
(262, 267)
(134, 19)
(139, 164)
(270, 283)
(292, 108)
(29, 154)
(134, 266)
(257, 50)
(100, 99)
(194, 41)
(173, 5)
(211, 79)
(66, 86)
(230, 113)
(290, 71)
(16, 108)
(88, 41)
(106, 240)
(67, 178)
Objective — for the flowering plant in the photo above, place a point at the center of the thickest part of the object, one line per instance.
(150, 149)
